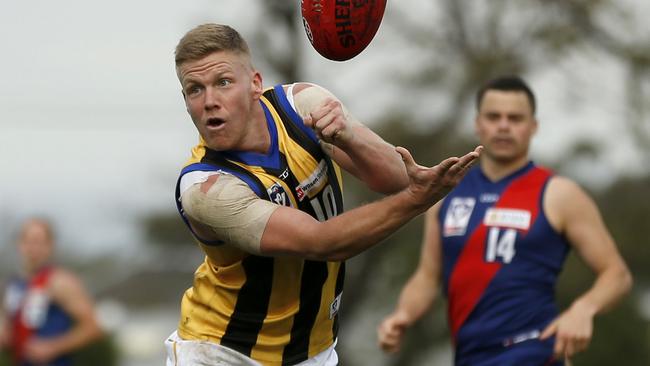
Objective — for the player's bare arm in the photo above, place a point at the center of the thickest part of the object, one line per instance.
(224, 208)
(347, 141)
(68, 292)
(572, 212)
(291, 232)
(420, 291)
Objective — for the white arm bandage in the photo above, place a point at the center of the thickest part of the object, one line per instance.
(231, 210)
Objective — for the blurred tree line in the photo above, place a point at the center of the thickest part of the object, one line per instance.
(466, 42)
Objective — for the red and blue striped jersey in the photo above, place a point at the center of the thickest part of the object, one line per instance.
(501, 258)
(33, 314)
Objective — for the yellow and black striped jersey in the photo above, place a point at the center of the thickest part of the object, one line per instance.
(278, 311)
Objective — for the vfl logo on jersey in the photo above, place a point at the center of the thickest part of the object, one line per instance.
(313, 183)
(278, 195)
(458, 214)
(507, 217)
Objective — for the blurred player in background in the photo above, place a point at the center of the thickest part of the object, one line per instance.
(262, 194)
(498, 242)
(47, 314)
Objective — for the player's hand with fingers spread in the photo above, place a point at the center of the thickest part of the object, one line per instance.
(572, 329)
(330, 122)
(391, 331)
(429, 185)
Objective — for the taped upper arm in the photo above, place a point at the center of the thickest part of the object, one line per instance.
(230, 210)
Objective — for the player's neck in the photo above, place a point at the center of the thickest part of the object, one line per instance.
(31, 269)
(497, 169)
(258, 137)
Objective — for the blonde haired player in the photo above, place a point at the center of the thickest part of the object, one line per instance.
(262, 194)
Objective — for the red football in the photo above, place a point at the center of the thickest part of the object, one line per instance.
(341, 29)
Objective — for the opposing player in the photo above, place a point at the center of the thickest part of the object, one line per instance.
(47, 312)
(262, 194)
(497, 243)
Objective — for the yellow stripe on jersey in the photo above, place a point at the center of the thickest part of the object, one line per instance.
(275, 310)
(207, 306)
(325, 314)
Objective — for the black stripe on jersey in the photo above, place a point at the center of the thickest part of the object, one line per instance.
(314, 275)
(313, 148)
(252, 305)
(305, 141)
(340, 278)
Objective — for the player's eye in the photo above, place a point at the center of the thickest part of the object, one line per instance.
(193, 90)
(492, 116)
(516, 117)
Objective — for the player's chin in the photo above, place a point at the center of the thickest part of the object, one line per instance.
(504, 154)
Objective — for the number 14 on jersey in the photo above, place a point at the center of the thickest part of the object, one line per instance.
(500, 245)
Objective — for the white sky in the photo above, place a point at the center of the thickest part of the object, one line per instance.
(93, 129)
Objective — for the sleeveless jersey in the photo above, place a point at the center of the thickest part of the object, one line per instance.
(501, 259)
(32, 314)
(278, 311)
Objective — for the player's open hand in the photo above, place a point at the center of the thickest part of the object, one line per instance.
(391, 331)
(573, 330)
(330, 122)
(429, 185)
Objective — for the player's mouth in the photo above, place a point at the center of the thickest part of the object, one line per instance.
(215, 123)
(503, 140)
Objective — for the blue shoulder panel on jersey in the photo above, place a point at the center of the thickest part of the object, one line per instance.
(295, 118)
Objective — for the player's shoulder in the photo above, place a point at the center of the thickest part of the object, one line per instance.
(301, 85)
(563, 193)
(63, 279)
(562, 186)
(217, 187)
(308, 90)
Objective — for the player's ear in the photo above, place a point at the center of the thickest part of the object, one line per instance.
(256, 84)
(535, 125)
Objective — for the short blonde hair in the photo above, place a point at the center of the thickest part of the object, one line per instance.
(209, 38)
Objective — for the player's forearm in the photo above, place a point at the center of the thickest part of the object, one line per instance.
(376, 161)
(4, 334)
(342, 236)
(76, 338)
(417, 297)
(349, 234)
(608, 289)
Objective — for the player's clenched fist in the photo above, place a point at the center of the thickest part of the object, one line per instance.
(390, 332)
(330, 122)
